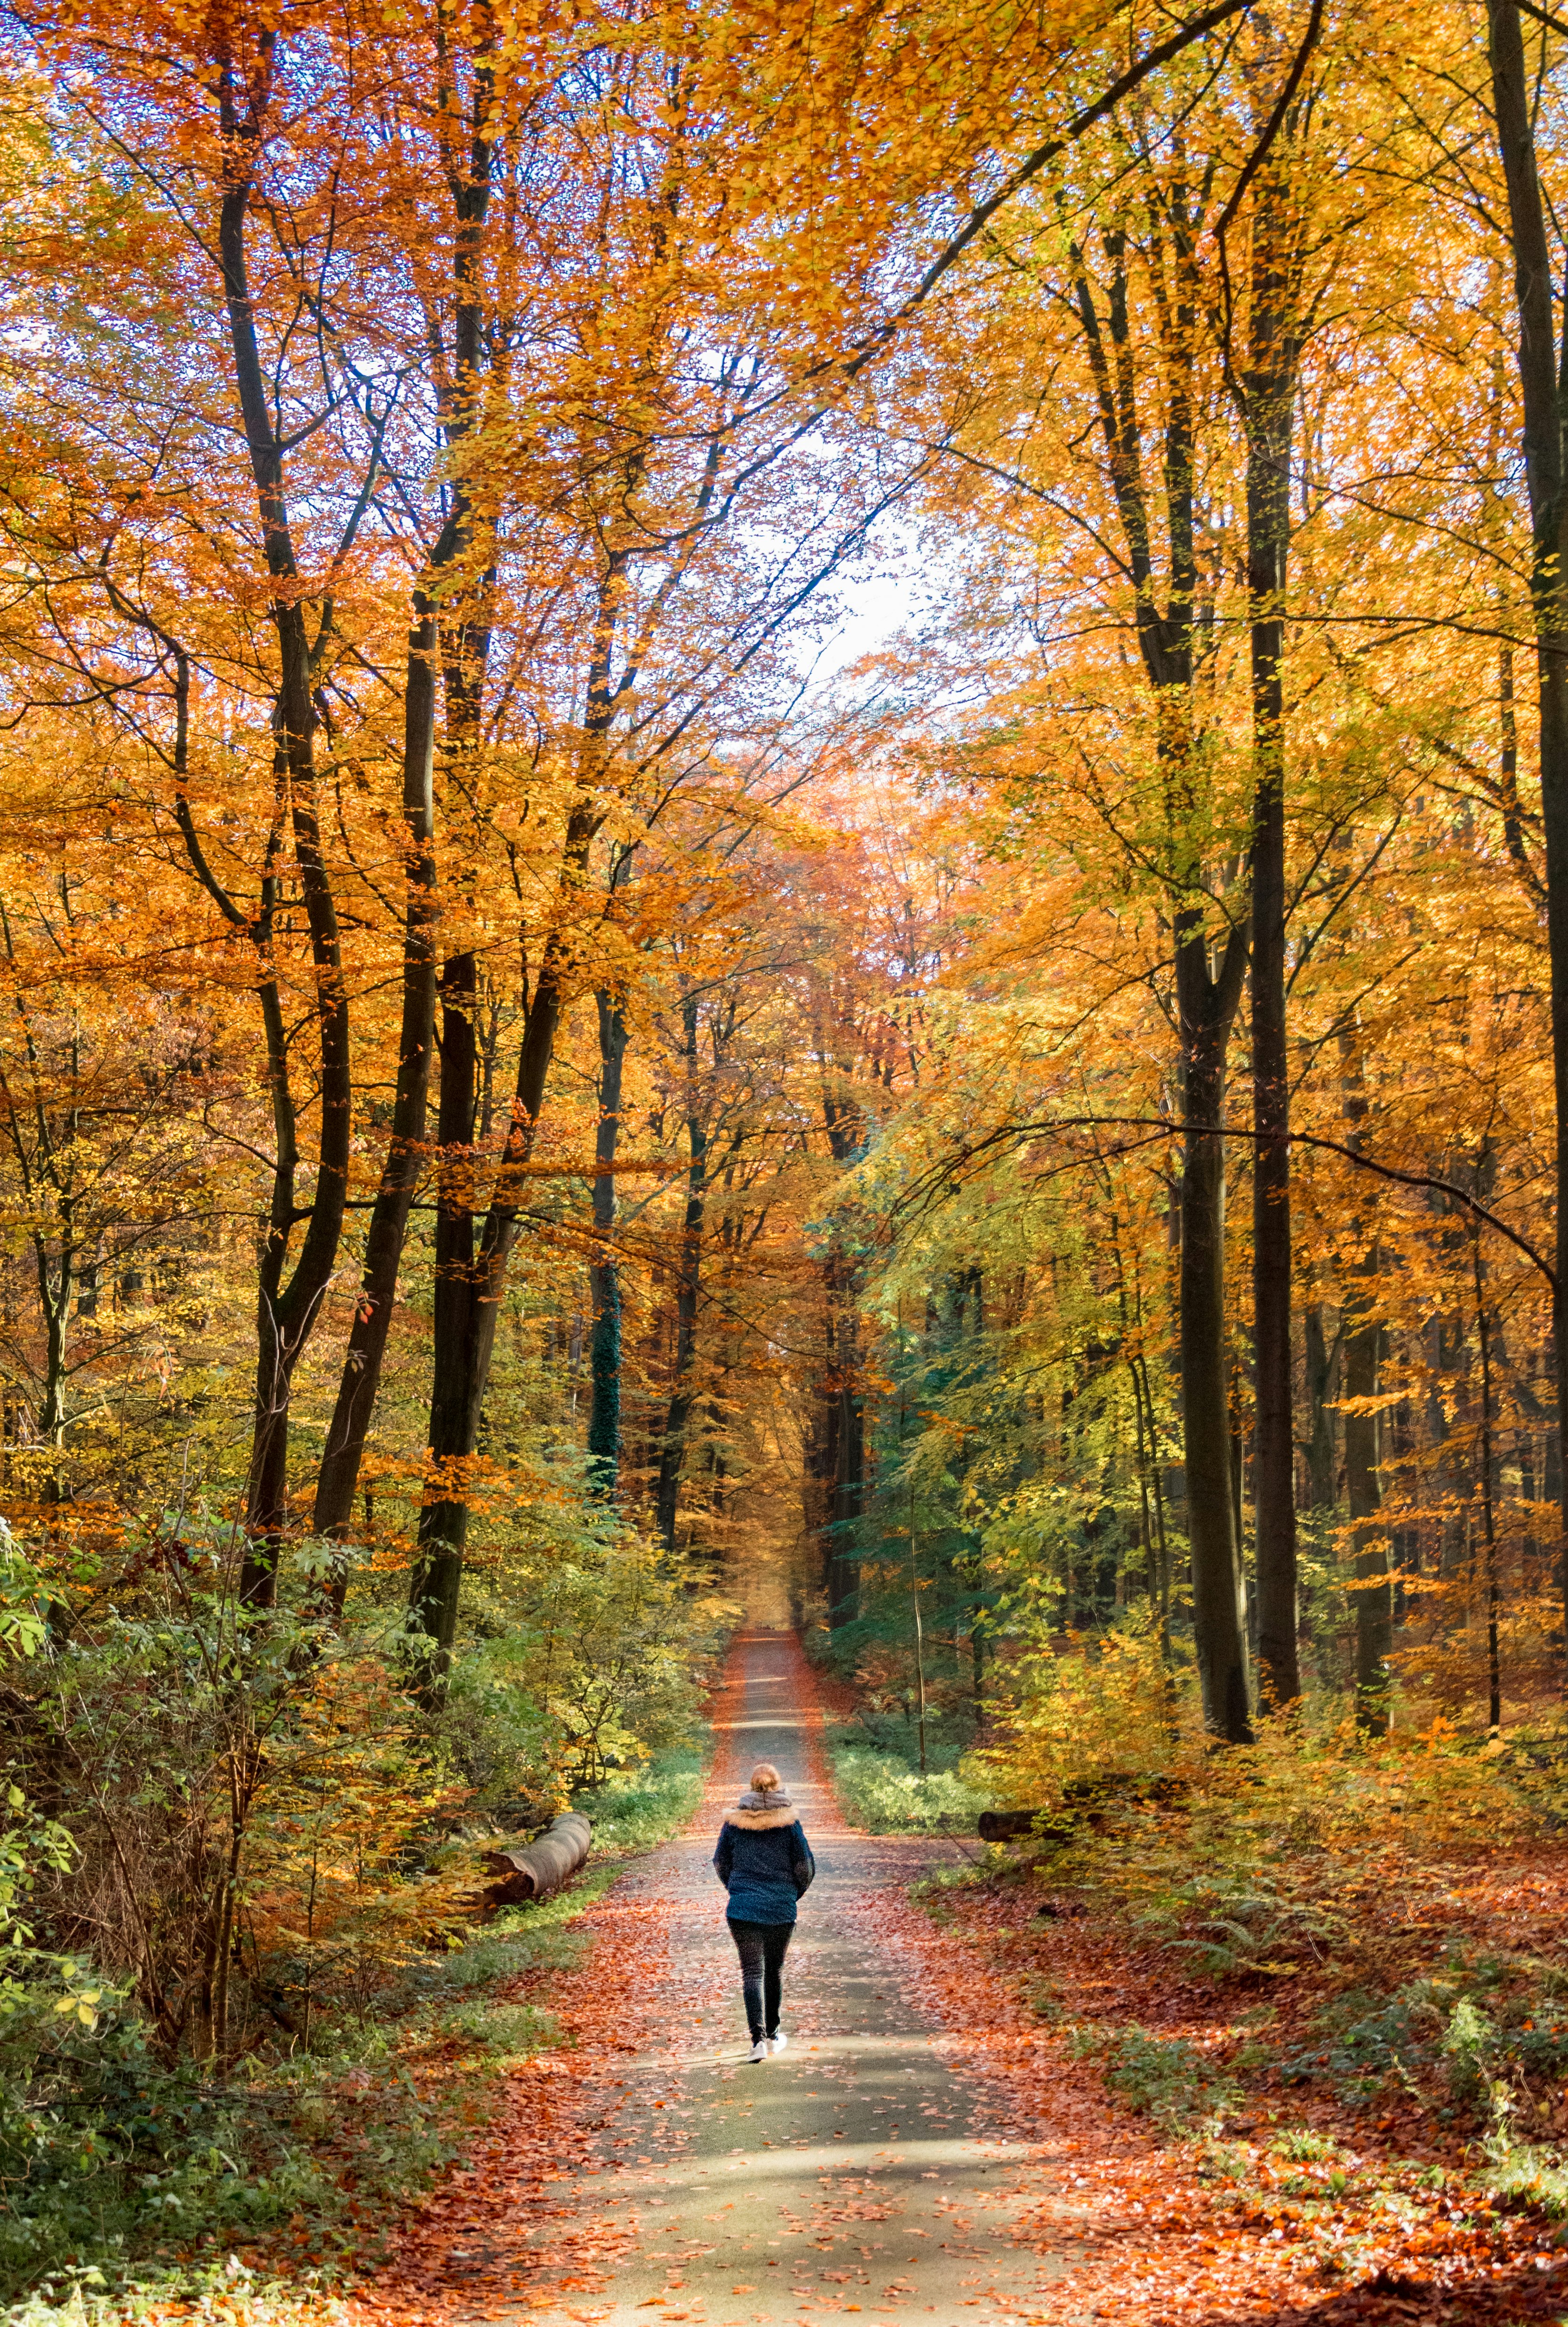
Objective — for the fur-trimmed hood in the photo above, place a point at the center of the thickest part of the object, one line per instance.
(758, 1813)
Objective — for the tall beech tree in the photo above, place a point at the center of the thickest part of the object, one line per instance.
(445, 626)
(1267, 393)
(1543, 444)
(1208, 912)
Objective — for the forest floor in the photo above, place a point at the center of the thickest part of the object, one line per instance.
(929, 2147)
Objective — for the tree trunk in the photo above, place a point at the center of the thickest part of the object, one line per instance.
(1546, 475)
(366, 1349)
(1206, 1002)
(845, 1434)
(285, 1313)
(604, 1277)
(1363, 1447)
(688, 1280)
(338, 1478)
(1218, 1605)
(1488, 1483)
(54, 1290)
(1322, 1357)
(470, 1284)
(438, 1568)
(849, 1472)
(819, 1453)
(1269, 403)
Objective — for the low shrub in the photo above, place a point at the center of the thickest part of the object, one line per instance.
(1523, 2176)
(1102, 1708)
(636, 1808)
(1485, 2025)
(1244, 1921)
(1164, 2076)
(882, 1794)
(126, 2175)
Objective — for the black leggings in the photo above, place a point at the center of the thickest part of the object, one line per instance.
(762, 1948)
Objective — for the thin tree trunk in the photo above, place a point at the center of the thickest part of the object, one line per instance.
(604, 1277)
(285, 1314)
(1163, 1541)
(689, 1282)
(1362, 1367)
(438, 1568)
(919, 1630)
(470, 1283)
(819, 1452)
(54, 1289)
(1363, 1449)
(1322, 1357)
(849, 1474)
(338, 1478)
(1489, 1486)
(339, 1475)
(1206, 1002)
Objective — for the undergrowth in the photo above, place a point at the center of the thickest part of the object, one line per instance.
(1311, 1923)
(126, 2179)
(1167, 2078)
(885, 1793)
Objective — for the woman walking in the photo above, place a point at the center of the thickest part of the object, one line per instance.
(765, 1864)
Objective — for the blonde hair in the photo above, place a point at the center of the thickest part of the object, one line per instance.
(765, 1778)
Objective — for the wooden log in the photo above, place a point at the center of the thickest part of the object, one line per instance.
(1083, 1799)
(538, 1870)
(1123, 1785)
(1006, 1826)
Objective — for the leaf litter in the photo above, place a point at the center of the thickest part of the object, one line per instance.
(1136, 2223)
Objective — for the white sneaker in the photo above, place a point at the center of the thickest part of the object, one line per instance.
(759, 2048)
(779, 2042)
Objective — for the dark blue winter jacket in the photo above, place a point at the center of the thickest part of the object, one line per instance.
(764, 1863)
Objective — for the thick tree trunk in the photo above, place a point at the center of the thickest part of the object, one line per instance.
(1270, 401)
(604, 1277)
(1546, 475)
(470, 1283)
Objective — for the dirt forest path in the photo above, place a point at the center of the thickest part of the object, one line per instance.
(931, 2150)
(862, 2170)
(853, 2171)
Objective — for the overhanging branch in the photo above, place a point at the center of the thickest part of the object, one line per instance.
(948, 1176)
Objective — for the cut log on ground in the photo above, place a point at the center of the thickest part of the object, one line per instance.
(538, 1870)
(1085, 1801)
(1006, 1826)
